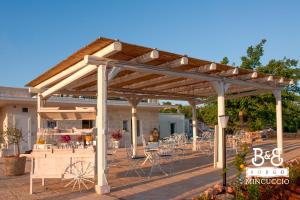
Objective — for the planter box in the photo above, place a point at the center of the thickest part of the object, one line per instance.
(14, 166)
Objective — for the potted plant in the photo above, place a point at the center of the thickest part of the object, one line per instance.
(14, 164)
(88, 137)
(116, 135)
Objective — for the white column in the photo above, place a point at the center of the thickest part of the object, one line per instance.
(277, 94)
(215, 146)
(101, 186)
(194, 125)
(39, 118)
(134, 130)
(40, 103)
(134, 102)
(220, 88)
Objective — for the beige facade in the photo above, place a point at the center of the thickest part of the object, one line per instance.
(18, 108)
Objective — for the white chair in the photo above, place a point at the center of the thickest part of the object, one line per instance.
(133, 162)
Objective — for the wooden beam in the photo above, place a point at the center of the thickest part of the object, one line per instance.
(189, 83)
(74, 77)
(268, 79)
(83, 81)
(137, 75)
(230, 72)
(171, 72)
(33, 90)
(206, 68)
(164, 97)
(251, 75)
(143, 92)
(163, 80)
(145, 58)
(105, 52)
(244, 94)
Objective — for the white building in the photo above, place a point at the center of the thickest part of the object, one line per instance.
(18, 109)
(170, 123)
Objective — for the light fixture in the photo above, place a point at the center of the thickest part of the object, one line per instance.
(224, 120)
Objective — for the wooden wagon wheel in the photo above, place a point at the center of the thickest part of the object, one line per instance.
(80, 173)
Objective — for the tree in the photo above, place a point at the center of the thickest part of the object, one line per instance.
(252, 60)
(225, 61)
(259, 111)
(284, 67)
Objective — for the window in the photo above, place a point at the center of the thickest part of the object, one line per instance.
(51, 124)
(25, 110)
(125, 125)
(87, 123)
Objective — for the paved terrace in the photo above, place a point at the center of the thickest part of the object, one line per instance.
(192, 174)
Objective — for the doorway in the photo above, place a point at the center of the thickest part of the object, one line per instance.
(23, 122)
(172, 128)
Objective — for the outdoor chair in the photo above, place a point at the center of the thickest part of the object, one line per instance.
(146, 151)
(180, 144)
(154, 159)
(111, 153)
(205, 144)
(134, 163)
(167, 152)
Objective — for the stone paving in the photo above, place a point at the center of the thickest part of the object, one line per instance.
(193, 172)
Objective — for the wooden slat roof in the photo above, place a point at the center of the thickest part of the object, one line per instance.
(131, 82)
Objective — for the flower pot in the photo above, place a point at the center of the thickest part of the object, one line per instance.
(14, 166)
(116, 144)
(88, 138)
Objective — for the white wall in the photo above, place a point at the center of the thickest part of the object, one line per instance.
(149, 119)
(165, 119)
(11, 115)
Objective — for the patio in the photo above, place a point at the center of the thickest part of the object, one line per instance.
(192, 174)
(112, 69)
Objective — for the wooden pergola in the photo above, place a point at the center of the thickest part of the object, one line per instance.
(110, 68)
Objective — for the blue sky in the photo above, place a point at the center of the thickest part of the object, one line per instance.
(35, 35)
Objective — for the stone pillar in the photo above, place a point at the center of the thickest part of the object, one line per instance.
(277, 94)
(101, 186)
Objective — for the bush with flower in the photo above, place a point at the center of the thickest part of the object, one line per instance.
(116, 135)
(65, 138)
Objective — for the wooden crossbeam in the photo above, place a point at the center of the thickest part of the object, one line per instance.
(137, 75)
(267, 79)
(149, 92)
(244, 94)
(105, 52)
(251, 75)
(171, 72)
(182, 86)
(147, 57)
(163, 80)
(157, 96)
(230, 72)
(84, 81)
(152, 55)
(72, 78)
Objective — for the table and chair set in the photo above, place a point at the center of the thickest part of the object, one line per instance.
(160, 156)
